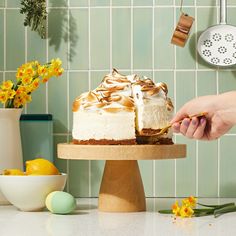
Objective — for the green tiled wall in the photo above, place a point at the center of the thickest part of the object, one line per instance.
(91, 37)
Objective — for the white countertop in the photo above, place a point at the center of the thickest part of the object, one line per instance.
(86, 221)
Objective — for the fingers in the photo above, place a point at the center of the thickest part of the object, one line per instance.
(191, 128)
(199, 132)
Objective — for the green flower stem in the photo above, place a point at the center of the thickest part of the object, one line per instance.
(217, 206)
(227, 209)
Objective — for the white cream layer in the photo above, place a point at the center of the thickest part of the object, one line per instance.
(151, 110)
(103, 125)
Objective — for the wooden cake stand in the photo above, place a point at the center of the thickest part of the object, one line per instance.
(121, 189)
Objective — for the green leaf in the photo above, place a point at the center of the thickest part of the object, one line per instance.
(227, 209)
(217, 206)
(165, 211)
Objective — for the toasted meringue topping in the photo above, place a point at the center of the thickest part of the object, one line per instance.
(114, 93)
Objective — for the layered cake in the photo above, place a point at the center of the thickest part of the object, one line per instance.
(123, 110)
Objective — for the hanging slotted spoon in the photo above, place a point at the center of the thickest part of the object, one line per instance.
(217, 45)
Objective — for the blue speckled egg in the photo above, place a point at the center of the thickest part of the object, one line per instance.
(59, 202)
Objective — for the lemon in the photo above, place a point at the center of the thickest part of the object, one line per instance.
(41, 166)
(13, 172)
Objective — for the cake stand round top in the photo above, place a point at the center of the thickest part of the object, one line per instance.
(120, 152)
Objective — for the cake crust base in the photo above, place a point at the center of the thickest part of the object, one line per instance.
(153, 140)
(105, 142)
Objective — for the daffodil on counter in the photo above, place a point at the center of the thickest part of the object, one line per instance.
(29, 76)
(188, 208)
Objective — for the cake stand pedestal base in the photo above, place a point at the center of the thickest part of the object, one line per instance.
(122, 188)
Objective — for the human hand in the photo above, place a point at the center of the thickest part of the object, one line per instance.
(221, 116)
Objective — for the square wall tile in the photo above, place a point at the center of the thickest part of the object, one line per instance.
(231, 2)
(2, 3)
(186, 56)
(168, 78)
(79, 39)
(206, 2)
(1, 40)
(164, 2)
(163, 49)
(13, 3)
(142, 2)
(79, 178)
(57, 103)
(96, 173)
(186, 169)
(147, 73)
(100, 36)
(15, 52)
(164, 178)
(78, 84)
(206, 17)
(207, 169)
(97, 77)
(206, 83)
(142, 39)
(227, 167)
(38, 103)
(121, 44)
(227, 82)
(231, 19)
(99, 2)
(184, 80)
(60, 163)
(36, 47)
(121, 2)
(58, 35)
(185, 3)
(78, 3)
(58, 3)
(146, 171)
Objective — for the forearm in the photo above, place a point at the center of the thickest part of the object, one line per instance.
(227, 107)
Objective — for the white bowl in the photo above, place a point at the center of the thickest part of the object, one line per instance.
(28, 193)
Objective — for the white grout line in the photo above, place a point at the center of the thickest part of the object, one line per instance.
(131, 6)
(68, 91)
(141, 70)
(196, 94)
(131, 36)
(4, 40)
(218, 140)
(46, 85)
(89, 80)
(110, 26)
(26, 56)
(153, 76)
(175, 76)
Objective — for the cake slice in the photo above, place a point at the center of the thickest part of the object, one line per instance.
(154, 111)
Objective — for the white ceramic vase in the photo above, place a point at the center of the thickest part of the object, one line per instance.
(10, 142)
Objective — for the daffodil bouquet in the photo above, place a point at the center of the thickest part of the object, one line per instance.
(188, 208)
(29, 76)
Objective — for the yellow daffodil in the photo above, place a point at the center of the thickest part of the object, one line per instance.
(29, 76)
(190, 201)
(3, 96)
(26, 80)
(6, 85)
(186, 211)
(176, 209)
(35, 84)
(11, 94)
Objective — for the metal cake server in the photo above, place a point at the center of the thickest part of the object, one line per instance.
(165, 129)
